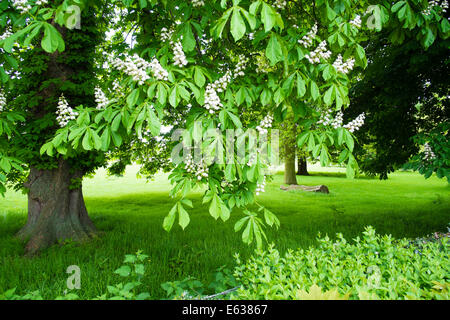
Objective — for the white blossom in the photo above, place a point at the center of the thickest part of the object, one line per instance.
(136, 67)
(212, 100)
(280, 4)
(2, 100)
(327, 119)
(308, 39)
(265, 124)
(261, 187)
(179, 56)
(262, 64)
(64, 112)
(320, 52)
(429, 154)
(443, 5)
(22, 5)
(6, 35)
(356, 124)
(356, 22)
(344, 67)
(158, 71)
(166, 34)
(198, 3)
(200, 170)
(240, 66)
(101, 99)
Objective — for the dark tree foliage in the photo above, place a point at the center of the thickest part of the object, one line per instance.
(396, 80)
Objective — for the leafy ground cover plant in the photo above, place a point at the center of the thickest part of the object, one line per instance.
(372, 267)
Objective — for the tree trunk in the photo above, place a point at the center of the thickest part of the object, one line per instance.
(56, 212)
(302, 166)
(290, 177)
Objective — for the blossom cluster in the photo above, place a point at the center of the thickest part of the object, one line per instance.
(64, 112)
(6, 35)
(356, 124)
(158, 71)
(357, 22)
(22, 5)
(197, 169)
(240, 66)
(337, 122)
(166, 34)
(280, 4)
(429, 154)
(2, 100)
(320, 52)
(344, 67)
(101, 99)
(198, 3)
(265, 124)
(179, 56)
(262, 64)
(327, 119)
(435, 3)
(308, 39)
(212, 99)
(136, 67)
(261, 187)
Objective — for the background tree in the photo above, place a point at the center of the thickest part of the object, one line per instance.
(398, 80)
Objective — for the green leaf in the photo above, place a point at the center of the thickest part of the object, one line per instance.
(271, 219)
(301, 86)
(133, 98)
(52, 39)
(315, 93)
(123, 271)
(268, 17)
(161, 93)
(274, 51)
(184, 219)
(170, 218)
(153, 122)
(237, 25)
(199, 78)
(188, 40)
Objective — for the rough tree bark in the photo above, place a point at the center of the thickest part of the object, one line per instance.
(302, 166)
(55, 211)
(290, 138)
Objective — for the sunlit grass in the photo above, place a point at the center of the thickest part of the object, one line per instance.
(130, 213)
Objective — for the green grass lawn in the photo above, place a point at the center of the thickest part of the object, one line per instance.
(130, 213)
